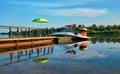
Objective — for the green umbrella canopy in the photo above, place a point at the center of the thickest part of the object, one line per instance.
(40, 20)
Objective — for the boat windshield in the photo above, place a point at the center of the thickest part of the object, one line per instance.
(68, 30)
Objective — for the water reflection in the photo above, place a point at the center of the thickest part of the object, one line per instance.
(105, 38)
(81, 57)
(40, 60)
(24, 53)
(71, 48)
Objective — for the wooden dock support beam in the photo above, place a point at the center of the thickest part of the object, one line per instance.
(18, 33)
(10, 32)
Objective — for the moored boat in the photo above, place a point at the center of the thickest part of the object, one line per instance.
(81, 34)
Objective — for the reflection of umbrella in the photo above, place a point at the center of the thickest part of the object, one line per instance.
(41, 60)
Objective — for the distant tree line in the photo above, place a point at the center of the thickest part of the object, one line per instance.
(102, 29)
(97, 29)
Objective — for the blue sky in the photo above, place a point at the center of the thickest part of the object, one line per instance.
(59, 12)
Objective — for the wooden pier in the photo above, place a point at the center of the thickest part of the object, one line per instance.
(25, 41)
(28, 37)
(18, 42)
(25, 36)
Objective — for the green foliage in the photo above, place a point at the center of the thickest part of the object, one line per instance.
(101, 29)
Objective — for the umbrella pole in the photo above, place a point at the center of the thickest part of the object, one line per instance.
(40, 31)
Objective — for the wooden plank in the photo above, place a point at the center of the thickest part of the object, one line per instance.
(28, 43)
(14, 27)
(14, 39)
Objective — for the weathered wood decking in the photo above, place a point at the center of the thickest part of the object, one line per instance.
(17, 42)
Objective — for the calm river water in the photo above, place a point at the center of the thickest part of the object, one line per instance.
(100, 55)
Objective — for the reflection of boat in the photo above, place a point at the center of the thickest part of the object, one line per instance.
(70, 48)
(82, 45)
(68, 31)
(71, 51)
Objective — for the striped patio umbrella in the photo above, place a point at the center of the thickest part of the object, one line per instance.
(40, 20)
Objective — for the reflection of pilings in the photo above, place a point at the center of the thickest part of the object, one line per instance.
(30, 53)
(26, 52)
(11, 57)
(19, 55)
(52, 49)
(40, 49)
(46, 50)
(37, 50)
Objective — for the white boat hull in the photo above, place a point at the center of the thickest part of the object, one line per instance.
(70, 34)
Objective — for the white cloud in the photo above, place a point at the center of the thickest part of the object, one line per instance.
(57, 8)
(38, 4)
(44, 3)
(53, 3)
(84, 12)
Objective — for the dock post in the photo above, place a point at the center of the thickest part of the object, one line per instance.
(18, 33)
(40, 32)
(51, 31)
(11, 57)
(21, 33)
(26, 33)
(29, 32)
(48, 31)
(43, 32)
(10, 32)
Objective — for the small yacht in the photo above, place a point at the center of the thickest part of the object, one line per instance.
(68, 31)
